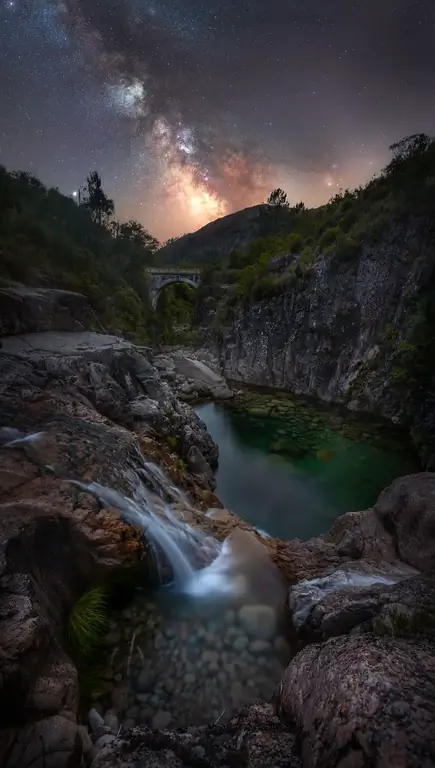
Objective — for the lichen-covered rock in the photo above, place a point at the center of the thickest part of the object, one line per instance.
(318, 614)
(362, 700)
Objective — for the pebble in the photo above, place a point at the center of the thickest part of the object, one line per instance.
(194, 667)
(103, 741)
(259, 646)
(161, 720)
(210, 656)
(111, 721)
(240, 642)
(142, 697)
(132, 713)
(258, 621)
(94, 719)
(119, 697)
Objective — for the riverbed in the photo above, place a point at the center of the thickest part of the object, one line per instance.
(290, 468)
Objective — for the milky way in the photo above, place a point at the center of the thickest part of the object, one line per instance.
(191, 109)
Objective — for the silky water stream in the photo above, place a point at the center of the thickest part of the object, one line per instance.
(209, 641)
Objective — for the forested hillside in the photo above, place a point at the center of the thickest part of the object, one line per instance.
(47, 239)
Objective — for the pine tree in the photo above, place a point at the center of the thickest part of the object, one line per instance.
(278, 199)
(100, 206)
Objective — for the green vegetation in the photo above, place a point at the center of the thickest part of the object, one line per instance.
(404, 189)
(48, 239)
(401, 622)
(88, 622)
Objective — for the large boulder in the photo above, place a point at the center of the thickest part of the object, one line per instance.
(407, 509)
(362, 701)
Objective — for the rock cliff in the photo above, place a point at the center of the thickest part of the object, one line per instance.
(356, 331)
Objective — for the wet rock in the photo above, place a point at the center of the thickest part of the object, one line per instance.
(119, 697)
(258, 621)
(105, 740)
(132, 712)
(161, 720)
(383, 694)
(111, 720)
(260, 646)
(95, 720)
(240, 642)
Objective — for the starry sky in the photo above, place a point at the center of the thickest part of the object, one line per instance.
(191, 109)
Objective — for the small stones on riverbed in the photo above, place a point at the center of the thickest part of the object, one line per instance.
(201, 666)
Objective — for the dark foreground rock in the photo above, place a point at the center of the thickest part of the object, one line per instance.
(362, 701)
(255, 738)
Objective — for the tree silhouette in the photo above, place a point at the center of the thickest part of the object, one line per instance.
(278, 199)
(100, 206)
(137, 234)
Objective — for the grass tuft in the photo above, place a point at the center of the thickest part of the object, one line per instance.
(88, 621)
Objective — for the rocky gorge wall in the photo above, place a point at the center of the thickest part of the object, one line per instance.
(356, 330)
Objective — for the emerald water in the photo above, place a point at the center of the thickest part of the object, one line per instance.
(290, 468)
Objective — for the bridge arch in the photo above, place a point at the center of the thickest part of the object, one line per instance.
(161, 278)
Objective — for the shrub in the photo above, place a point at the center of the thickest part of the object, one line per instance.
(329, 237)
(88, 621)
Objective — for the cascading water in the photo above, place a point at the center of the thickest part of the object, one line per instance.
(175, 542)
(211, 642)
(207, 645)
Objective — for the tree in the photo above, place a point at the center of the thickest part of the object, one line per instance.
(100, 206)
(409, 146)
(278, 199)
(136, 233)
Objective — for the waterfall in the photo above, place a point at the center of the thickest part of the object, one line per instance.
(173, 540)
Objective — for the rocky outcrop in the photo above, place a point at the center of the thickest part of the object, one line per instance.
(73, 407)
(33, 310)
(353, 331)
(192, 375)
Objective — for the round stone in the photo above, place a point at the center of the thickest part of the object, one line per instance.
(240, 643)
(161, 720)
(210, 656)
(259, 646)
(259, 621)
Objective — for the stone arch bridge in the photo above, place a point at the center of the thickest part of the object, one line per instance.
(160, 278)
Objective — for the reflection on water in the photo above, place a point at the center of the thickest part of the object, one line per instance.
(292, 472)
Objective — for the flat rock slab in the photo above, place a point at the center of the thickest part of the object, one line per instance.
(63, 343)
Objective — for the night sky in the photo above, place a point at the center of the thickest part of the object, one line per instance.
(193, 108)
